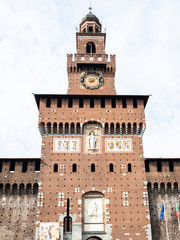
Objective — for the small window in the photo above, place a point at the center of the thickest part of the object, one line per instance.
(124, 103)
(90, 48)
(74, 167)
(147, 166)
(1, 164)
(37, 166)
(92, 167)
(90, 29)
(129, 167)
(59, 103)
(70, 103)
(84, 30)
(48, 102)
(102, 103)
(25, 166)
(134, 103)
(81, 103)
(91, 102)
(55, 167)
(159, 166)
(12, 166)
(171, 166)
(111, 167)
(113, 102)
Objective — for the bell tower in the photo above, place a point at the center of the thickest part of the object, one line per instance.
(92, 183)
(90, 72)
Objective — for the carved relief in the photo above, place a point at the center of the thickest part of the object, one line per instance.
(67, 145)
(92, 138)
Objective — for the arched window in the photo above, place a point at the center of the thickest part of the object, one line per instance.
(129, 167)
(1, 189)
(176, 188)
(74, 167)
(123, 128)
(7, 189)
(129, 128)
(72, 128)
(60, 128)
(78, 128)
(117, 128)
(66, 128)
(112, 128)
(111, 167)
(28, 189)
(90, 29)
(90, 47)
(49, 128)
(169, 189)
(67, 224)
(84, 30)
(92, 167)
(21, 189)
(106, 128)
(55, 167)
(14, 189)
(162, 188)
(54, 128)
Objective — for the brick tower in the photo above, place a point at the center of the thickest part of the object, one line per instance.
(92, 183)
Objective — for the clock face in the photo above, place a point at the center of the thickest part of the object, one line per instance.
(91, 80)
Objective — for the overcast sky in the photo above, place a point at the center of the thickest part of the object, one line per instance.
(36, 35)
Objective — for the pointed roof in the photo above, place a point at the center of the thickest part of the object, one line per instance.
(90, 16)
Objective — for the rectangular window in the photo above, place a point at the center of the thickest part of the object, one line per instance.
(25, 166)
(134, 103)
(37, 165)
(113, 102)
(91, 102)
(48, 102)
(59, 103)
(171, 166)
(12, 166)
(1, 164)
(147, 166)
(124, 103)
(70, 103)
(159, 166)
(102, 103)
(81, 103)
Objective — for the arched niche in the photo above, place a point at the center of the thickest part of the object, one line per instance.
(93, 212)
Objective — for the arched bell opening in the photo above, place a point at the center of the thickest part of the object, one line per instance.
(90, 47)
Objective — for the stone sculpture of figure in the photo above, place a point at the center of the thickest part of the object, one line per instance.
(92, 140)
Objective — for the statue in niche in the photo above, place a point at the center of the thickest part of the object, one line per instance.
(92, 140)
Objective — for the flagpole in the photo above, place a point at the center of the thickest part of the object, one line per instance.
(166, 221)
(178, 212)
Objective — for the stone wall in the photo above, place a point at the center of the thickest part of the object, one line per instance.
(17, 217)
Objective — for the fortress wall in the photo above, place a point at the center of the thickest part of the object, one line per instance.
(17, 217)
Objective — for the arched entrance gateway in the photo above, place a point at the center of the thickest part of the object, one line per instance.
(94, 238)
